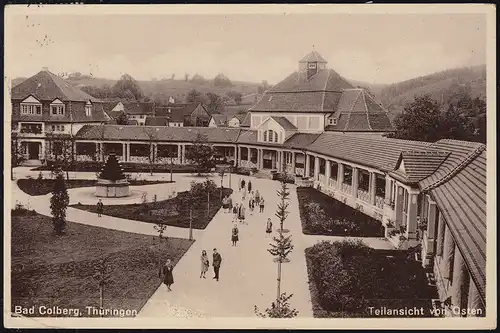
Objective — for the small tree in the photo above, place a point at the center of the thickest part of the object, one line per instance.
(201, 153)
(160, 229)
(122, 119)
(58, 204)
(151, 156)
(222, 173)
(280, 309)
(102, 274)
(284, 195)
(17, 156)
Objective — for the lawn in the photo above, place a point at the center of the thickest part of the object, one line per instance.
(50, 270)
(321, 214)
(347, 278)
(34, 186)
(173, 212)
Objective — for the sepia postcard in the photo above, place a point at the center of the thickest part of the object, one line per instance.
(250, 166)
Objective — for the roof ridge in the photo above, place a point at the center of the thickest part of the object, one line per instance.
(366, 108)
(324, 91)
(472, 156)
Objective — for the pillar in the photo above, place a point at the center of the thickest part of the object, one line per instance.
(155, 152)
(328, 171)
(235, 161)
(306, 166)
(124, 152)
(448, 254)
(373, 187)
(399, 205)
(340, 175)
(293, 163)
(316, 168)
(278, 160)
(460, 281)
(431, 236)
(355, 181)
(239, 155)
(388, 187)
(411, 225)
(183, 154)
(474, 301)
(248, 155)
(128, 151)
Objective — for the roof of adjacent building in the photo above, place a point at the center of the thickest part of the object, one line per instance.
(380, 153)
(240, 116)
(418, 165)
(459, 188)
(358, 111)
(313, 57)
(156, 121)
(46, 86)
(139, 108)
(157, 133)
(246, 121)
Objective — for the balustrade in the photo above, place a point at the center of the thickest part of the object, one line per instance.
(363, 195)
(379, 202)
(346, 188)
(332, 182)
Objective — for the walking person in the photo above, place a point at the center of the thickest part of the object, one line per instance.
(242, 184)
(251, 205)
(249, 186)
(225, 204)
(241, 215)
(100, 208)
(204, 264)
(230, 204)
(168, 277)
(216, 261)
(239, 185)
(257, 197)
(235, 212)
(244, 194)
(234, 235)
(261, 204)
(269, 227)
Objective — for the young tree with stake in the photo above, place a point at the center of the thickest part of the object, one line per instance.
(160, 229)
(58, 203)
(102, 274)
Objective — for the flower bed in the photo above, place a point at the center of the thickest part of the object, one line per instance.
(347, 278)
(321, 214)
(173, 212)
(94, 166)
(59, 271)
(44, 186)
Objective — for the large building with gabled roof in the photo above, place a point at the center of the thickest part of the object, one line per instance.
(316, 99)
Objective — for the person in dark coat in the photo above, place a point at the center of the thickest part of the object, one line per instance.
(204, 263)
(249, 186)
(216, 261)
(269, 227)
(100, 208)
(234, 235)
(261, 205)
(168, 277)
(242, 184)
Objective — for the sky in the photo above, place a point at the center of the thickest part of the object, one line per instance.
(374, 48)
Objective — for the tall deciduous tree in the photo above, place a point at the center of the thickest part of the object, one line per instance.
(220, 80)
(122, 119)
(194, 96)
(58, 204)
(103, 270)
(215, 103)
(201, 153)
(128, 88)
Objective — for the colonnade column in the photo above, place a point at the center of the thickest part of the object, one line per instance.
(399, 205)
(340, 175)
(306, 166)
(293, 163)
(124, 152)
(248, 156)
(440, 236)
(411, 225)
(239, 156)
(373, 187)
(316, 168)
(430, 239)
(388, 187)
(179, 154)
(355, 181)
(328, 171)
(460, 281)
(448, 254)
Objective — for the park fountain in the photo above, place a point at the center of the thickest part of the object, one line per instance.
(112, 182)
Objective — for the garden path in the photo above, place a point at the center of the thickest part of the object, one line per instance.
(248, 274)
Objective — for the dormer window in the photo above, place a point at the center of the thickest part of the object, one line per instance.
(333, 121)
(57, 108)
(88, 109)
(270, 136)
(31, 106)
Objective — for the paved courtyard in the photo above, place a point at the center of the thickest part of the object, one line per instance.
(248, 273)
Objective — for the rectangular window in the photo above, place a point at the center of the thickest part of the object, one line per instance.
(57, 110)
(31, 109)
(53, 128)
(62, 128)
(312, 66)
(313, 122)
(88, 110)
(302, 122)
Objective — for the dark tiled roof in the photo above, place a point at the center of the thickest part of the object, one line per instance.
(174, 114)
(380, 153)
(75, 113)
(47, 86)
(138, 108)
(300, 140)
(109, 105)
(240, 116)
(285, 123)
(459, 188)
(158, 133)
(297, 102)
(418, 165)
(324, 80)
(313, 57)
(115, 114)
(156, 121)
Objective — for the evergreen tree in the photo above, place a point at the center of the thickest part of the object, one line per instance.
(284, 195)
(201, 153)
(58, 203)
(112, 170)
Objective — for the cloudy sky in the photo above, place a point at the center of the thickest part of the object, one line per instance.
(375, 48)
